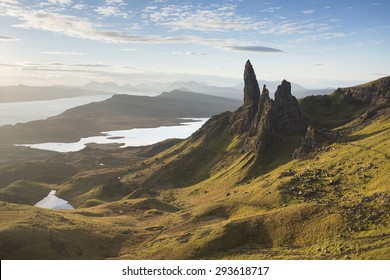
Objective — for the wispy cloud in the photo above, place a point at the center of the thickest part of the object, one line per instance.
(8, 39)
(187, 53)
(60, 2)
(318, 64)
(322, 36)
(92, 65)
(253, 49)
(190, 17)
(113, 8)
(77, 27)
(270, 9)
(128, 50)
(110, 11)
(79, 6)
(63, 53)
(308, 11)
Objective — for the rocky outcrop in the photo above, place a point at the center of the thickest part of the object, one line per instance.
(260, 134)
(375, 92)
(243, 117)
(311, 143)
(288, 118)
(251, 87)
(261, 120)
(275, 119)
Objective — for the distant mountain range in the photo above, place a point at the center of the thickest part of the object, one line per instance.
(22, 93)
(229, 92)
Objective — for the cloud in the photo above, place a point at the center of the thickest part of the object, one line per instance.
(112, 2)
(322, 36)
(187, 17)
(63, 53)
(128, 50)
(8, 39)
(77, 27)
(308, 11)
(79, 6)
(190, 17)
(109, 11)
(60, 2)
(188, 53)
(113, 8)
(91, 65)
(253, 49)
(12, 2)
(271, 9)
(318, 64)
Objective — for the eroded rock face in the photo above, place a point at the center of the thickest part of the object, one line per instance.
(260, 134)
(251, 87)
(242, 119)
(287, 118)
(309, 144)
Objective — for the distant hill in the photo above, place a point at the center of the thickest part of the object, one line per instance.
(118, 112)
(317, 92)
(175, 103)
(156, 88)
(22, 93)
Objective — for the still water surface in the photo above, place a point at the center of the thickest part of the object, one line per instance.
(132, 137)
(21, 112)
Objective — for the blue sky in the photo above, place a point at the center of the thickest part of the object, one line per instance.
(313, 43)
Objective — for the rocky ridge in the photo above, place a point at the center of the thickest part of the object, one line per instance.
(262, 120)
(376, 92)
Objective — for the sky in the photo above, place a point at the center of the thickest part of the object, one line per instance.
(313, 43)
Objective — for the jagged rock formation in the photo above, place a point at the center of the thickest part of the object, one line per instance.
(376, 92)
(274, 118)
(311, 143)
(251, 87)
(264, 120)
(243, 117)
(288, 118)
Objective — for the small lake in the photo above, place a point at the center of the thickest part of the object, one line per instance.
(21, 112)
(132, 137)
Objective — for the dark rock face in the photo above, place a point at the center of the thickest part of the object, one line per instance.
(309, 144)
(288, 117)
(251, 87)
(244, 116)
(260, 134)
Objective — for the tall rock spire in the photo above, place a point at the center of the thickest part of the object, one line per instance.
(251, 87)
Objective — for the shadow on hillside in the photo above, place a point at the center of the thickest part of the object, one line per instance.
(350, 138)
